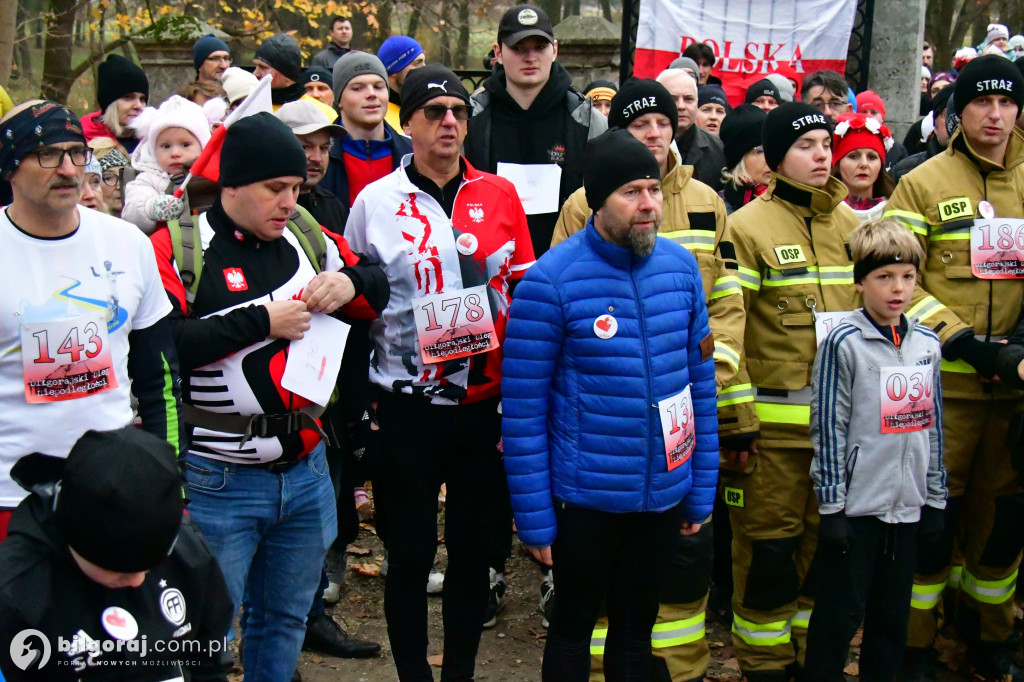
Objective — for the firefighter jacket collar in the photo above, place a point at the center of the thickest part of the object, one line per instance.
(809, 201)
(1014, 151)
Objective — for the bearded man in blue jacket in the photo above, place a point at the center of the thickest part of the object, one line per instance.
(609, 428)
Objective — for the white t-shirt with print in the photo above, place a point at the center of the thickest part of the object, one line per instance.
(53, 292)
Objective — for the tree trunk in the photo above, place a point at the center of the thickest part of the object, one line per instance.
(606, 10)
(553, 9)
(444, 34)
(384, 11)
(947, 23)
(22, 54)
(414, 20)
(60, 23)
(462, 47)
(8, 28)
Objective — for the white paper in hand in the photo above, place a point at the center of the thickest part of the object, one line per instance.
(315, 359)
(536, 183)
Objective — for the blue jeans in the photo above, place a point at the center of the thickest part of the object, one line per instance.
(270, 533)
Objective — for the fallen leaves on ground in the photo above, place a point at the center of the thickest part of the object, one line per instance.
(435, 660)
(852, 669)
(358, 551)
(369, 570)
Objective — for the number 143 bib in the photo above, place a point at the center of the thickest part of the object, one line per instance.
(66, 359)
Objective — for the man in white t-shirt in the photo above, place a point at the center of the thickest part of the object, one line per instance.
(82, 310)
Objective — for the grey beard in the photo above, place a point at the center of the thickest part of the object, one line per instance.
(641, 241)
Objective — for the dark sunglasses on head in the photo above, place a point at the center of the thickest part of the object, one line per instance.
(437, 112)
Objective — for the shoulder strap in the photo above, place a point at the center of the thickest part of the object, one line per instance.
(307, 230)
(187, 247)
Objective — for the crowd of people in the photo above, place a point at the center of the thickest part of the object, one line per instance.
(229, 335)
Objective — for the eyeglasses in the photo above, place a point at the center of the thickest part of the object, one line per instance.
(759, 149)
(111, 178)
(50, 157)
(437, 112)
(226, 60)
(833, 104)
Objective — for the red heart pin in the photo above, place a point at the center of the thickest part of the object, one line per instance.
(116, 620)
(603, 324)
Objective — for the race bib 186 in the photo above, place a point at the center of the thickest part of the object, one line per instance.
(454, 325)
(997, 248)
(908, 399)
(678, 428)
(66, 359)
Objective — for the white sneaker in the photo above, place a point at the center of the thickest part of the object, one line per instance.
(332, 595)
(435, 581)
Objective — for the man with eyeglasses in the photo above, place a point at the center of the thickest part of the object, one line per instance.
(211, 56)
(83, 317)
(827, 92)
(453, 241)
(111, 163)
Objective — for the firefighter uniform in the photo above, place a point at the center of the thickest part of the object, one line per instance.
(940, 202)
(790, 247)
(693, 215)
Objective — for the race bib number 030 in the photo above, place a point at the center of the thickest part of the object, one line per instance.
(66, 359)
(908, 399)
(454, 325)
(997, 248)
(678, 428)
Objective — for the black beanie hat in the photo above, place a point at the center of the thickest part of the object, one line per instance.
(120, 500)
(206, 46)
(762, 88)
(639, 96)
(612, 159)
(712, 94)
(424, 84)
(117, 77)
(741, 132)
(260, 147)
(988, 75)
(281, 52)
(785, 125)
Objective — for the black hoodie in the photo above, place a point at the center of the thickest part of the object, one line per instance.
(546, 132)
(183, 601)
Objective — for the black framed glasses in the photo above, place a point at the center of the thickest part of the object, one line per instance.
(50, 157)
(437, 112)
(111, 178)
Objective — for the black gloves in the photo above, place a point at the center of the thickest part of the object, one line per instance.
(980, 355)
(1007, 359)
(835, 530)
(931, 525)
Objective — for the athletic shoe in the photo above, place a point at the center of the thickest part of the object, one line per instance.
(435, 581)
(495, 599)
(547, 597)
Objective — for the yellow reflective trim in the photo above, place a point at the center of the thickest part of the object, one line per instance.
(925, 308)
(597, 640)
(988, 591)
(749, 278)
(955, 573)
(700, 240)
(925, 597)
(950, 236)
(915, 221)
(783, 414)
(726, 286)
(677, 632)
(737, 388)
(787, 282)
(801, 619)
(733, 395)
(728, 355)
(761, 634)
(957, 366)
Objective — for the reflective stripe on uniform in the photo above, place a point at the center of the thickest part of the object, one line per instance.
(751, 279)
(801, 619)
(761, 634)
(793, 408)
(925, 597)
(915, 221)
(597, 639)
(740, 393)
(692, 240)
(988, 591)
(954, 576)
(726, 354)
(957, 366)
(925, 308)
(836, 274)
(676, 632)
(784, 278)
(952, 235)
(726, 286)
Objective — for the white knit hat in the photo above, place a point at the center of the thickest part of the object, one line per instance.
(996, 31)
(237, 83)
(178, 112)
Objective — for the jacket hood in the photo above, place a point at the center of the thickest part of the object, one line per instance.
(143, 161)
(551, 95)
(809, 201)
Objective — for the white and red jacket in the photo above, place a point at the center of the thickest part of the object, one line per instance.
(408, 232)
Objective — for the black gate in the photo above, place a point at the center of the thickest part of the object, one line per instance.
(858, 58)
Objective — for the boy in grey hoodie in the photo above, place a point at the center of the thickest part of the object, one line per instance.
(876, 427)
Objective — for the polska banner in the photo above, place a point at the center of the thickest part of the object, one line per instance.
(750, 38)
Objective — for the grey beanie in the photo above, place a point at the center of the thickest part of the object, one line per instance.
(684, 63)
(352, 64)
(281, 52)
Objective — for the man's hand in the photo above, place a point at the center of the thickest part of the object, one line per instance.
(737, 459)
(541, 554)
(288, 319)
(689, 528)
(327, 292)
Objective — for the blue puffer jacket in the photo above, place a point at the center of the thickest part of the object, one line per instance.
(581, 422)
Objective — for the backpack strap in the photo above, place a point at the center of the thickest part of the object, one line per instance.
(187, 249)
(311, 236)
